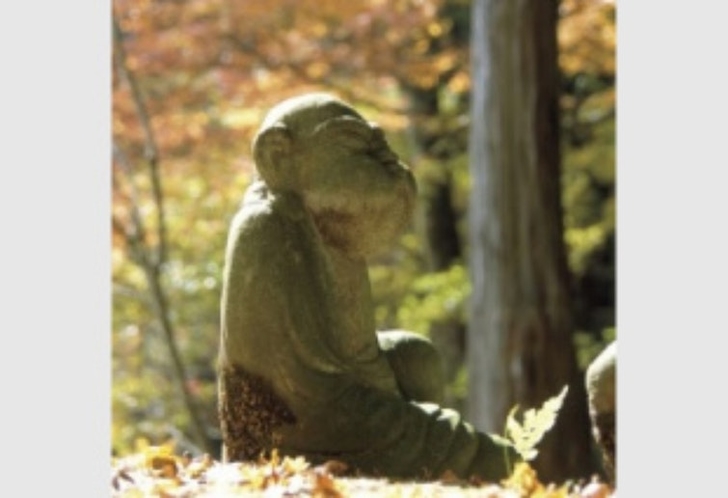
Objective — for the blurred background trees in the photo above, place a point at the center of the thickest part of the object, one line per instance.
(191, 82)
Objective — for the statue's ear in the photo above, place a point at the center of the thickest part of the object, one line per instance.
(272, 154)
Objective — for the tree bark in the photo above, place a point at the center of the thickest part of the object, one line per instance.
(520, 348)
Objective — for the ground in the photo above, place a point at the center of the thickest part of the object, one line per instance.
(157, 471)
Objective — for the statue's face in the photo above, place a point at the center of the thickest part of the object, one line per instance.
(358, 192)
(348, 154)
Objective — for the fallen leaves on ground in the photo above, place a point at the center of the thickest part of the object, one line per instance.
(160, 473)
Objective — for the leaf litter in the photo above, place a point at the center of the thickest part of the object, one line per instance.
(157, 472)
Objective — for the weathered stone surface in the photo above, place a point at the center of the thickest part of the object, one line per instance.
(250, 415)
(302, 367)
(601, 389)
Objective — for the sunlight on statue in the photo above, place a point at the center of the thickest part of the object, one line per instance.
(302, 368)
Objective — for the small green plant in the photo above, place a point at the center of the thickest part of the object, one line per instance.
(524, 437)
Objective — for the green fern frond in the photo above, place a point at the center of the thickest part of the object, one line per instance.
(536, 423)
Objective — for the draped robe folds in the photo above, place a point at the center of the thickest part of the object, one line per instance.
(302, 370)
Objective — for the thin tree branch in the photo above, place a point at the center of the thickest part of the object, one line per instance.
(135, 235)
(151, 151)
(131, 292)
(152, 266)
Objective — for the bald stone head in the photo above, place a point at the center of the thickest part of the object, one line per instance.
(303, 113)
(318, 147)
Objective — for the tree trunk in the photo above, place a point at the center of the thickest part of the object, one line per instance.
(520, 348)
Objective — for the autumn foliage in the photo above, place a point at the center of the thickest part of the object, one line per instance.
(156, 471)
(191, 82)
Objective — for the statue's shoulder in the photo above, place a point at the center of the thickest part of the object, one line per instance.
(266, 215)
(266, 230)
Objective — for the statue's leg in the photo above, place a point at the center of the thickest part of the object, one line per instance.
(416, 363)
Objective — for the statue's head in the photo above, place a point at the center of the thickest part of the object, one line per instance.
(359, 193)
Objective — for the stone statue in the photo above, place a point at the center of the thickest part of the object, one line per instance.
(601, 390)
(302, 368)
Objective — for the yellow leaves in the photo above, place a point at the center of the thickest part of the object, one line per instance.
(447, 60)
(317, 69)
(319, 29)
(421, 46)
(525, 483)
(393, 121)
(460, 83)
(196, 468)
(536, 423)
(179, 128)
(240, 118)
(162, 460)
(437, 28)
(587, 36)
(196, 9)
(582, 242)
(152, 471)
(274, 472)
(523, 480)
(157, 472)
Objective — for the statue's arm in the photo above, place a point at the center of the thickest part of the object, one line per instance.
(274, 314)
(382, 434)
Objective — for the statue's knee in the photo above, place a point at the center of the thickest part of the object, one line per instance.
(416, 364)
